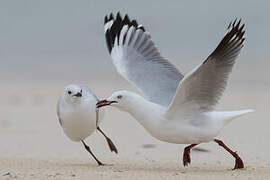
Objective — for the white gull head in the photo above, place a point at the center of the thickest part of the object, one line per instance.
(130, 102)
(123, 100)
(73, 93)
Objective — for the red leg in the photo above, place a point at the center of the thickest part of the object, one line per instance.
(89, 150)
(238, 161)
(109, 141)
(186, 154)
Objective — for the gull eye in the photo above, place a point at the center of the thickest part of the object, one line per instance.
(69, 92)
(119, 96)
(81, 90)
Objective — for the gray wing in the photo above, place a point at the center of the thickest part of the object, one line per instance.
(203, 87)
(137, 59)
(58, 111)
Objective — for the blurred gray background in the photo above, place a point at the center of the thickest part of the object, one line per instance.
(40, 36)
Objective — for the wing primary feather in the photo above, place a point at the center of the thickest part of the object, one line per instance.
(134, 23)
(117, 25)
(137, 59)
(203, 87)
(141, 27)
(108, 40)
(111, 17)
(105, 19)
(225, 45)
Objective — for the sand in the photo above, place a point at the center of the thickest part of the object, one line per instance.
(33, 145)
(123, 169)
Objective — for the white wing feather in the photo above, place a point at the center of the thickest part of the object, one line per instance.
(137, 59)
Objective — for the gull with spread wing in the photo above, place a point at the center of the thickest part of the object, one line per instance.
(176, 109)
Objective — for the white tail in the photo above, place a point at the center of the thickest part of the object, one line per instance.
(228, 116)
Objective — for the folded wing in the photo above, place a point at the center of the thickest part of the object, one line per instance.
(202, 88)
(58, 112)
(137, 59)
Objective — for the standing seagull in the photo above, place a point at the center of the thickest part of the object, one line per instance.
(176, 109)
(77, 116)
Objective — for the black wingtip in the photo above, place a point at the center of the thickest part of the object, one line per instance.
(233, 24)
(229, 26)
(242, 27)
(116, 27)
(108, 18)
(141, 27)
(237, 29)
(236, 23)
(111, 16)
(118, 15)
(105, 19)
(233, 39)
(134, 23)
(126, 19)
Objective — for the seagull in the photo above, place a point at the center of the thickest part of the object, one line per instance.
(77, 115)
(175, 108)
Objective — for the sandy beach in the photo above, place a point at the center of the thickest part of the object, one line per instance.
(33, 145)
(124, 169)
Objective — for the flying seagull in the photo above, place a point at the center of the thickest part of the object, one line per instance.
(77, 115)
(175, 108)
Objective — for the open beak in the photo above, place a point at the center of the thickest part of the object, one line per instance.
(104, 103)
(78, 94)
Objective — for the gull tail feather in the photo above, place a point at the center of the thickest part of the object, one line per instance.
(228, 116)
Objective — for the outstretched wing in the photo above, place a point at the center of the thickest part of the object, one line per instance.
(203, 86)
(137, 59)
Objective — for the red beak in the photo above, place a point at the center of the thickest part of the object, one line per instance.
(104, 103)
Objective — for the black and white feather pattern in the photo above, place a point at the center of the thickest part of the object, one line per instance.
(113, 27)
(137, 59)
(203, 87)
